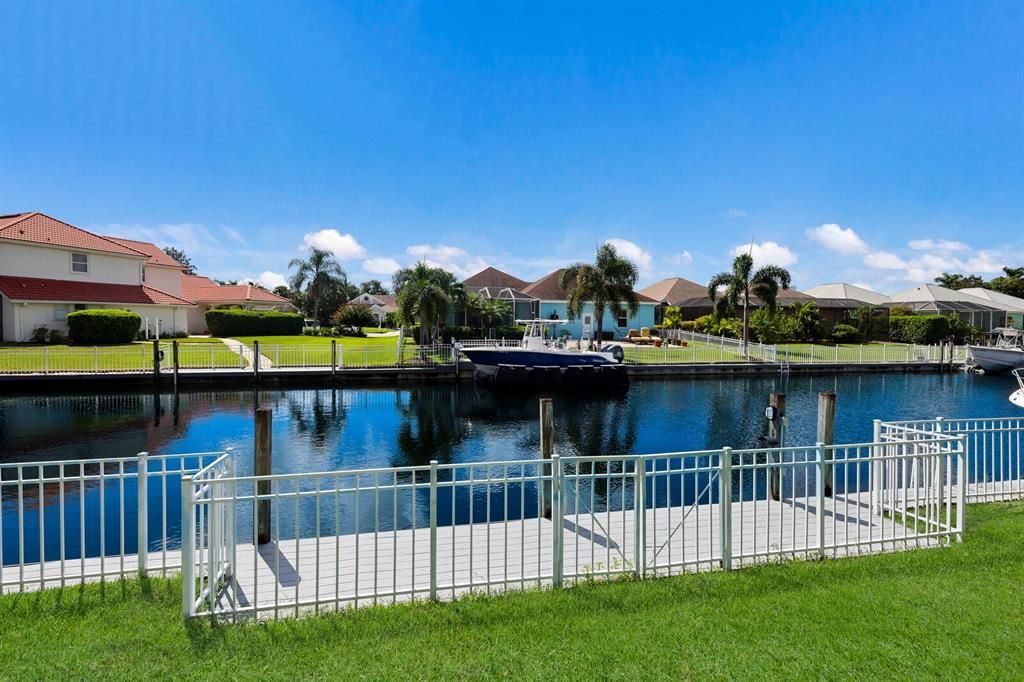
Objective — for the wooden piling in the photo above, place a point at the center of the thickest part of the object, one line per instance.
(262, 467)
(776, 433)
(547, 449)
(255, 359)
(827, 432)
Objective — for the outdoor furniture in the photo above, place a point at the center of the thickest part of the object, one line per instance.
(633, 336)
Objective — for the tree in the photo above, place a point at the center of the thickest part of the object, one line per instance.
(957, 281)
(354, 315)
(282, 291)
(1011, 284)
(742, 283)
(373, 287)
(179, 255)
(808, 320)
(607, 283)
(317, 274)
(424, 297)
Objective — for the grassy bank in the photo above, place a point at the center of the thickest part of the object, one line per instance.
(956, 612)
(32, 357)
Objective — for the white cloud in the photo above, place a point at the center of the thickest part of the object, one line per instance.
(632, 251)
(936, 245)
(865, 285)
(839, 239)
(234, 235)
(984, 262)
(736, 213)
(272, 279)
(768, 253)
(343, 246)
(381, 266)
(682, 259)
(883, 260)
(439, 252)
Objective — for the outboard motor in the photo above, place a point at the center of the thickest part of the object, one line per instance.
(616, 352)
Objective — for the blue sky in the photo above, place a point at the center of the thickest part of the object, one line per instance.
(873, 143)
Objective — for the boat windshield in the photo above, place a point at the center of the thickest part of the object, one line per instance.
(1009, 338)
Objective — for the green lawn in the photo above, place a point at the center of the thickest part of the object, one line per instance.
(847, 352)
(30, 357)
(692, 353)
(953, 613)
(353, 351)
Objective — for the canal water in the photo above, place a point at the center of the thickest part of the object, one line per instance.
(326, 429)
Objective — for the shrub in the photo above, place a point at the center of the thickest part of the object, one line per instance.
(688, 325)
(673, 318)
(39, 334)
(56, 336)
(960, 330)
(845, 333)
(354, 315)
(922, 329)
(773, 327)
(390, 320)
(103, 326)
(239, 322)
(459, 333)
(510, 332)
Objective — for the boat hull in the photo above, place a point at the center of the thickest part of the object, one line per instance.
(997, 360)
(487, 360)
(1017, 397)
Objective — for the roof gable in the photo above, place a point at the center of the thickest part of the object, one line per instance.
(676, 290)
(204, 290)
(493, 277)
(547, 288)
(842, 290)
(157, 256)
(39, 228)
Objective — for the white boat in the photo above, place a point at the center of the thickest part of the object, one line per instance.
(537, 350)
(1017, 397)
(1007, 353)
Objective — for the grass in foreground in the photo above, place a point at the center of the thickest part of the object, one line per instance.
(956, 612)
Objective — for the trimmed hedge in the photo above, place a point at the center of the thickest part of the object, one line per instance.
(239, 322)
(103, 326)
(922, 329)
(845, 333)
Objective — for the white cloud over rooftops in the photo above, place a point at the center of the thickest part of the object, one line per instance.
(767, 253)
(343, 246)
(839, 239)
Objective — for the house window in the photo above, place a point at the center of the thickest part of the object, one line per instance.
(622, 318)
(80, 263)
(60, 312)
(142, 273)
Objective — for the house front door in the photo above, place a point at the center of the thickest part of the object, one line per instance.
(588, 326)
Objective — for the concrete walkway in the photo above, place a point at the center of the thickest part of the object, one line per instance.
(238, 347)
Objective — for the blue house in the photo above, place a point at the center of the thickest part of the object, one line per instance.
(551, 303)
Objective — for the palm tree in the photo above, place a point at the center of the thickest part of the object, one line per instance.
(742, 283)
(808, 320)
(423, 296)
(493, 311)
(317, 273)
(607, 284)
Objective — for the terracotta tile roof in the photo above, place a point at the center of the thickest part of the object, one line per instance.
(38, 228)
(387, 302)
(155, 253)
(547, 289)
(39, 289)
(493, 277)
(204, 290)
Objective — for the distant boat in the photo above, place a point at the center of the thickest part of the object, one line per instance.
(1017, 397)
(536, 350)
(1007, 354)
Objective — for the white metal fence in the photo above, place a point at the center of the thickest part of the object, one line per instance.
(86, 519)
(995, 466)
(345, 538)
(754, 351)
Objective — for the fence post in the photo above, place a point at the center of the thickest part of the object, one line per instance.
(961, 498)
(174, 361)
(725, 506)
(156, 360)
(640, 516)
(557, 517)
(188, 581)
(262, 467)
(334, 357)
(819, 488)
(142, 503)
(877, 450)
(433, 529)
(46, 359)
(826, 431)
(255, 358)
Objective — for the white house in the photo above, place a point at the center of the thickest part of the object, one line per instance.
(380, 305)
(49, 268)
